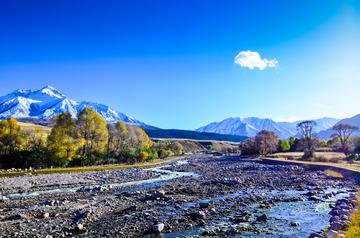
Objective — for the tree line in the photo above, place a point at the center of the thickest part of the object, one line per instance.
(267, 142)
(87, 140)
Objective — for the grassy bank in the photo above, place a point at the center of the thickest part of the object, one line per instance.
(353, 230)
(344, 165)
(87, 168)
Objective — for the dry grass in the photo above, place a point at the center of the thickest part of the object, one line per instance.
(319, 156)
(344, 165)
(353, 230)
(333, 173)
(28, 127)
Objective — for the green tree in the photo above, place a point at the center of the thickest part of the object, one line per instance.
(62, 142)
(293, 142)
(11, 136)
(284, 145)
(93, 133)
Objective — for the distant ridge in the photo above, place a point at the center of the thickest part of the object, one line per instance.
(250, 126)
(354, 121)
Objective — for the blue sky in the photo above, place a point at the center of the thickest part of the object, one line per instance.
(172, 63)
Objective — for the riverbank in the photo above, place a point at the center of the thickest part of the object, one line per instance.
(203, 195)
(83, 169)
(346, 166)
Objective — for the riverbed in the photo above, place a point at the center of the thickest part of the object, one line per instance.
(201, 195)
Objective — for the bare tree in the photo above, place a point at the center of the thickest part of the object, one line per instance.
(343, 133)
(306, 130)
(266, 142)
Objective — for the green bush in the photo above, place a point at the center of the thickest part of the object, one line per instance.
(164, 153)
(284, 145)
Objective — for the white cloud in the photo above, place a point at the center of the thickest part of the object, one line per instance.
(252, 59)
(288, 119)
(321, 106)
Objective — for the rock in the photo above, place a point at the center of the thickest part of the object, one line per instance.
(316, 235)
(15, 217)
(337, 226)
(204, 204)
(263, 217)
(332, 234)
(242, 218)
(158, 228)
(293, 223)
(79, 227)
(159, 193)
(202, 222)
(197, 215)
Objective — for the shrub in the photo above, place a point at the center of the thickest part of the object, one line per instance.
(143, 155)
(284, 145)
(164, 153)
(308, 154)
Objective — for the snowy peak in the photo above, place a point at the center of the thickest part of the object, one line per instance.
(250, 126)
(48, 102)
(50, 92)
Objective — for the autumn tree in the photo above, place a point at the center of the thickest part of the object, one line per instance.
(11, 136)
(266, 142)
(248, 147)
(343, 133)
(93, 134)
(62, 141)
(306, 130)
(35, 140)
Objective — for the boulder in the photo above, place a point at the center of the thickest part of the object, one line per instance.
(204, 204)
(263, 217)
(158, 228)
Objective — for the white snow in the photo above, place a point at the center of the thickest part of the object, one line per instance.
(48, 102)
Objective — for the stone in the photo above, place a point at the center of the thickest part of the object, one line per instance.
(336, 226)
(263, 217)
(79, 227)
(159, 193)
(293, 223)
(204, 204)
(197, 215)
(332, 234)
(158, 228)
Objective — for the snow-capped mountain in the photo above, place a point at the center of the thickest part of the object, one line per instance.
(48, 102)
(250, 126)
(353, 121)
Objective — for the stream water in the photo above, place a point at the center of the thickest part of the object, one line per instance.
(164, 175)
(310, 216)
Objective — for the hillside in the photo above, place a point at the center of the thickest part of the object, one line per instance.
(28, 127)
(194, 135)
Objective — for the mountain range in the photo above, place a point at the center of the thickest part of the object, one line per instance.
(39, 106)
(48, 102)
(250, 126)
